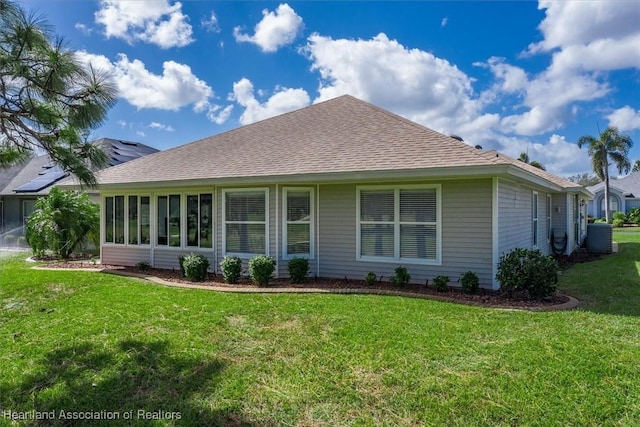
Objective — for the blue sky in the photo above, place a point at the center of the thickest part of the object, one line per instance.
(514, 76)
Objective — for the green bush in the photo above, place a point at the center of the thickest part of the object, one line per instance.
(619, 216)
(529, 273)
(370, 278)
(600, 221)
(261, 268)
(298, 269)
(195, 267)
(401, 276)
(469, 282)
(143, 266)
(617, 223)
(440, 283)
(231, 268)
(9, 240)
(21, 242)
(633, 217)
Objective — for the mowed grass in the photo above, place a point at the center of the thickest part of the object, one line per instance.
(83, 342)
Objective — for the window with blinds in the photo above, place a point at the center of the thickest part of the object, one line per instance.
(399, 224)
(298, 223)
(245, 222)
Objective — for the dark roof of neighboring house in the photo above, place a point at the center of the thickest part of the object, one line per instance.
(628, 185)
(38, 175)
(341, 137)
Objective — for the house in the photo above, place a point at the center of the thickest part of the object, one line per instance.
(350, 186)
(22, 185)
(624, 195)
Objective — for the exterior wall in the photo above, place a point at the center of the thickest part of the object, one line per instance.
(632, 204)
(515, 220)
(13, 211)
(595, 206)
(466, 234)
(125, 255)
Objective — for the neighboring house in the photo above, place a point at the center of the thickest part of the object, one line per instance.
(350, 186)
(22, 185)
(624, 195)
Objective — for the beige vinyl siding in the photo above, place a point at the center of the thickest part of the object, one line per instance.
(466, 234)
(125, 255)
(515, 220)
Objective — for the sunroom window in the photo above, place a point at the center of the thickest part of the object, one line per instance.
(245, 222)
(399, 224)
(126, 216)
(200, 220)
(169, 221)
(298, 223)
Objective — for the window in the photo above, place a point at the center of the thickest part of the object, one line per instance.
(399, 224)
(245, 222)
(297, 228)
(169, 221)
(549, 229)
(133, 220)
(534, 207)
(613, 205)
(200, 221)
(136, 225)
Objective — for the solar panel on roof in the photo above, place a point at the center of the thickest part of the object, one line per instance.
(44, 180)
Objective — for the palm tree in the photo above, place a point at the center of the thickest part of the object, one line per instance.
(524, 157)
(636, 166)
(610, 145)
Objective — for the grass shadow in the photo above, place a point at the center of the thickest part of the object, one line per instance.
(139, 380)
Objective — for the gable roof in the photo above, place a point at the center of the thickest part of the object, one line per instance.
(36, 176)
(339, 138)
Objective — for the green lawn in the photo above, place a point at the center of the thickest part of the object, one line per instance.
(78, 342)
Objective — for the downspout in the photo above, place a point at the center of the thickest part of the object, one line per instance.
(317, 230)
(277, 232)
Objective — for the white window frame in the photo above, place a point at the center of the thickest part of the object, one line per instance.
(396, 223)
(182, 228)
(534, 219)
(225, 222)
(184, 212)
(286, 222)
(127, 230)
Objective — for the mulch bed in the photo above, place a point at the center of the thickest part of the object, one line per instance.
(484, 297)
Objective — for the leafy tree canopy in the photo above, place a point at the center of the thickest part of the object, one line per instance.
(585, 179)
(49, 101)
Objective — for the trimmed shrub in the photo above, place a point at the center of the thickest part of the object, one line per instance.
(231, 268)
(528, 272)
(143, 266)
(441, 283)
(633, 217)
(9, 240)
(469, 282)
(370, 278)
(617, 223)
(195, 267)
(298, 269)
(401, 277)
(619, 216)
(261, 268)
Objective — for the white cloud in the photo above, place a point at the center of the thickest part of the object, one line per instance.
(140, 134)
(625, 118)
(83, 29)
(409, 82)
(282, 101)
(155, 22)
(175, 88)
(160, 126)
(444, 22)
(586, 40)
(219, 115)
(276, 29)
(211, 23)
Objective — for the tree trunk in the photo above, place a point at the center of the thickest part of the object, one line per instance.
(606, 188)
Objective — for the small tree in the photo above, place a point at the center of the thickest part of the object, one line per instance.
(62, 222)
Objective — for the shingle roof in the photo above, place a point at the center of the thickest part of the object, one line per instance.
(342, 135)
(38, 175)
(629, 185)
